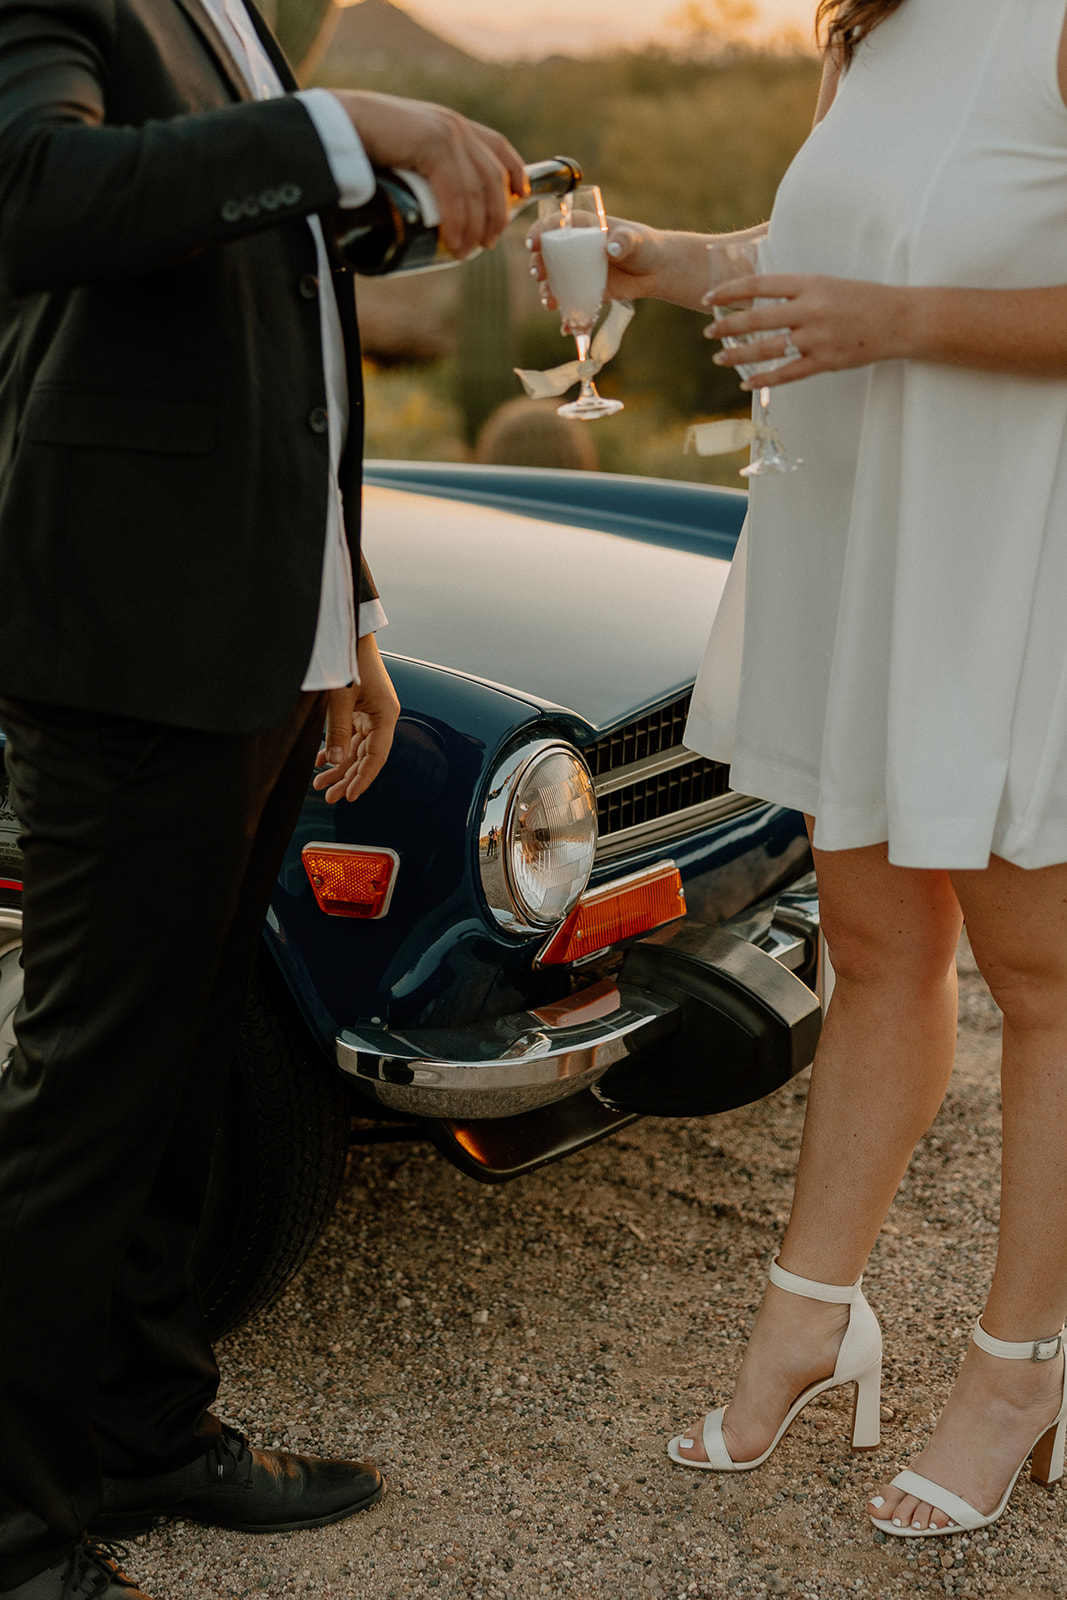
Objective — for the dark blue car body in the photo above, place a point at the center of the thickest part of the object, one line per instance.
(527, 609)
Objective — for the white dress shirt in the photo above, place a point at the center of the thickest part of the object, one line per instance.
(333, 655)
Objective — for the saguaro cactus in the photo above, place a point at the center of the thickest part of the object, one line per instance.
(486, 340)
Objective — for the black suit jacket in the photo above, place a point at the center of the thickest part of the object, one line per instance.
(163, 453)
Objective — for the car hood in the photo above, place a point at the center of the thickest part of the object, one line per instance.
(601, 623)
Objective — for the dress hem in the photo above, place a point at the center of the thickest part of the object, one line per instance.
(923, 843)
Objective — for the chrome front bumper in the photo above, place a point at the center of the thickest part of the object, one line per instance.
(508, 1065)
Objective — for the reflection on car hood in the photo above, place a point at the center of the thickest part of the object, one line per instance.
(602, 624)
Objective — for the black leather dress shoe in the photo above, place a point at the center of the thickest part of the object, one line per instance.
(90, 1572)
(233, 1486)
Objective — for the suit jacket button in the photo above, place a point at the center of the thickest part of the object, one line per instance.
(290, 194)
(231, 211)
(309, 286)
(319, 420)
(250, 206)
(269, 200)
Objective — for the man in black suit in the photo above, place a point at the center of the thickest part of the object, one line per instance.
(182, 608)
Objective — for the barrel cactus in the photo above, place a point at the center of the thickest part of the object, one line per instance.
(530, 433)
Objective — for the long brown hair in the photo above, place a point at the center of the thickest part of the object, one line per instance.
(848, 22)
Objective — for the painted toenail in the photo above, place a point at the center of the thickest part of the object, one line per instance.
(897, 1522)
(686, 1444)
(879, 1500)
(916, 1523)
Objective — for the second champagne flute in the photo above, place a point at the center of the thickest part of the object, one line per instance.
(574, 249)
(733, 258)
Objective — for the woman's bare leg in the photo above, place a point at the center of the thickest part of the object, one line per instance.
(1017, 923)
(883, 1063)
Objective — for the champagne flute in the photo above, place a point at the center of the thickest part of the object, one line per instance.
(574, 249)
(728, 259)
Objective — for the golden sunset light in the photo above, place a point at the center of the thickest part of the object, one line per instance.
(544, 27)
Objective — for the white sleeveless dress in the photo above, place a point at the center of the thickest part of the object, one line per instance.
(891, 651)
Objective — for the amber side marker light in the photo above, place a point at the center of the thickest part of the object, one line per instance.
(618, 910)
(351, 880)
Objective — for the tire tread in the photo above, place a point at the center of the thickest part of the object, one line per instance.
(290, 1111)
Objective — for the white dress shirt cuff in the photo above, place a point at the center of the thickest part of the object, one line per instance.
(348, 160)
(371, 617)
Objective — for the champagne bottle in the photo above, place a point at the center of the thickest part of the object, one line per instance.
(397, 230)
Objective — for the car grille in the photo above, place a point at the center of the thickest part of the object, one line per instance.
(650, 788)
(10, 854)
(649, 736)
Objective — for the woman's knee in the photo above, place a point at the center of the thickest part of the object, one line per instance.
(888, 924)
(918, 954)
(1029, 987)
(1017, 924)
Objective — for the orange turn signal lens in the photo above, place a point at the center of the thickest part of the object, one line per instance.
(351, 880)
(615, 911)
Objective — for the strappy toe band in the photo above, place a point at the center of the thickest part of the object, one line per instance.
(1047, 1450)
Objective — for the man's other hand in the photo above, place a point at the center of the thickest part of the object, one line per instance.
(473, 170)
(359, 729)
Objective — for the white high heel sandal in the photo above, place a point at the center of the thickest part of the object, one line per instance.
(1046, 1452)
(859, 1361)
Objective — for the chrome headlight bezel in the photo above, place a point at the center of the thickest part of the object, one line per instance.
(504, 897)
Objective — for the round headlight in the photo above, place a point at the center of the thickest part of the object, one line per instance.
(538, 837)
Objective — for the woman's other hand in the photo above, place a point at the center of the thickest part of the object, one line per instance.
(833, 323)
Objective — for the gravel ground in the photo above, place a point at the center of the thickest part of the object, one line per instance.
(516, 1358)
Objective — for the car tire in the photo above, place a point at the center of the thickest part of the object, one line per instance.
(279, 1160)
(280, 1151)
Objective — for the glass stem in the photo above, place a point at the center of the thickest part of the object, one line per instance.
(583, 341)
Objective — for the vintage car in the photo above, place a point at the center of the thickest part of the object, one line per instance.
(547, 917)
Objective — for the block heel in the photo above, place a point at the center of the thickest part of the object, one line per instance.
(867, 1410)
(1046, 1463)
(859, 1362)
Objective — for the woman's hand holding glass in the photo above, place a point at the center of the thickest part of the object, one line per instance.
(573, 244)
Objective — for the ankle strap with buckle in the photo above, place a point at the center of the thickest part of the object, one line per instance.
(808, 1289)
(1021, 1350)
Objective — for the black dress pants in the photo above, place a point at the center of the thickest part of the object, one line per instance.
(150, 855)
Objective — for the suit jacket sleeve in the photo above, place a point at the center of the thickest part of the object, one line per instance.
(93, 187)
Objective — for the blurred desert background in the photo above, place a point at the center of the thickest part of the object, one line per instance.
(691, 126)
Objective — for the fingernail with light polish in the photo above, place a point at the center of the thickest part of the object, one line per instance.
(614, 248)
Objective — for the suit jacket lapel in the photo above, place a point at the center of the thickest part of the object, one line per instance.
(272, 47)
(202, 22)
